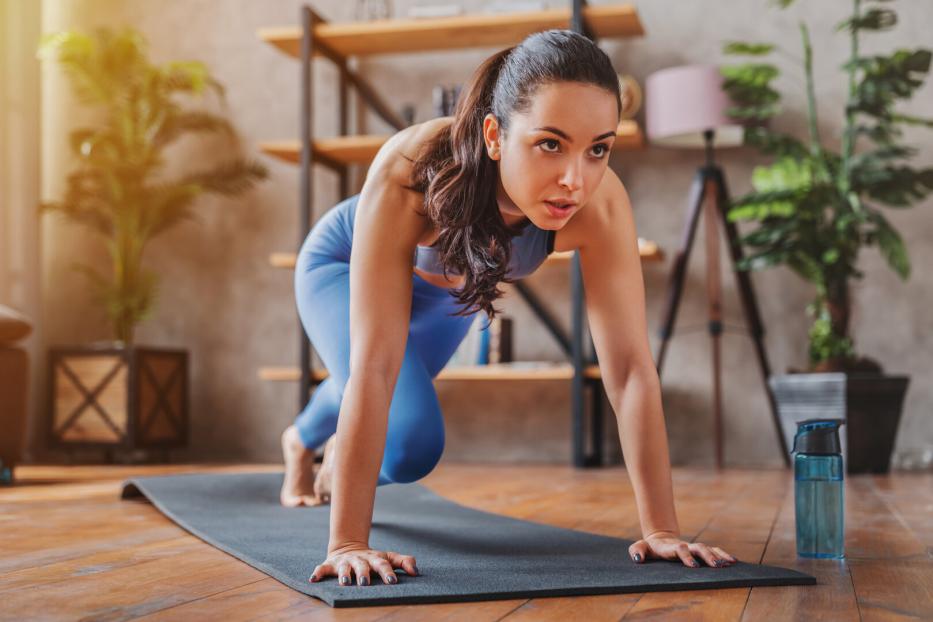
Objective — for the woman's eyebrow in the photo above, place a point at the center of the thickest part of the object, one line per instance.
(564, 135)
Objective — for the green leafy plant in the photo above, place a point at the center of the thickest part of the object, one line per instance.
(119, 188)
(815, 208)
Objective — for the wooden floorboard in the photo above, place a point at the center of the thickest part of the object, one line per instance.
(71, 549)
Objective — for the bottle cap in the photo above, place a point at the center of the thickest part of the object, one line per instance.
(818, 436)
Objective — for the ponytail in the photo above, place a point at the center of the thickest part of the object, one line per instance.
(459, 182)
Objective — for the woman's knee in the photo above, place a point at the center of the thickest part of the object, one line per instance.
(409, 463)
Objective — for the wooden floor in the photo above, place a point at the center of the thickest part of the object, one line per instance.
(71, 549)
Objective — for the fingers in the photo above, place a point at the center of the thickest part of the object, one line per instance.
(714, 556)
(405, 562)
(638, 551)
(343, 573)
(707, 554)
(385, 570)
(320, 571)
(724, 555)
(683, 552)
(362, 563)
(361, 568)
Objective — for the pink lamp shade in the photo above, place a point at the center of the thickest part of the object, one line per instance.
(683, 102)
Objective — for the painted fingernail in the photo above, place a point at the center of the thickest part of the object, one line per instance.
(345, 580)
(637, 557)
(416, 570)
(694, 563)
(392, 578)
(718, 563)
(364, 580)
(313, 578)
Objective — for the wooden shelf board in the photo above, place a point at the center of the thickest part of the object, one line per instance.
(406, 35)
(362, 149)
(343, 149)
(500, 371)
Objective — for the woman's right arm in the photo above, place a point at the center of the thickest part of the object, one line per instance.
(388, 225)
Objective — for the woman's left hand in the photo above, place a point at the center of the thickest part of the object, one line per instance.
(666, 545)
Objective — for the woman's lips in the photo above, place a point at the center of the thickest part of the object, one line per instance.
(558, 212)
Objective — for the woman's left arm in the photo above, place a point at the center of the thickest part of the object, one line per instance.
(615, 302)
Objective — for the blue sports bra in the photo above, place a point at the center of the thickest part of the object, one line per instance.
(529, 250)
(332, 235)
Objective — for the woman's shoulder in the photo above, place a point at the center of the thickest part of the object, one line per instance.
(388, 180)
(401, 150)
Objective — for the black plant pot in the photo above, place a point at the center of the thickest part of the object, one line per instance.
(870, 405)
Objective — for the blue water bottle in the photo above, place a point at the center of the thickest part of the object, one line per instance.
(818, 489)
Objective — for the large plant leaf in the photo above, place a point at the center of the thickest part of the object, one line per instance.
(749, 49)
(891, 245)
(911, 120)
(749, 87)
(773, 143)
(168, 205)
(773, 231)
(85, 202)
(189, 77)
(872, 19)
(75, 53)
(869, 159)
(101, 67)
(883, 133)
(895, 186)
(764, 259)
(786, 174)
(230, 178)
(196, 121)
(804, 264)
(887, 79)
(759, 206)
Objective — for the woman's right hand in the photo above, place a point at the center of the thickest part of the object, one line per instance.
(358, 559)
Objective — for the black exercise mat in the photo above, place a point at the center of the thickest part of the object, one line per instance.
(463, 554)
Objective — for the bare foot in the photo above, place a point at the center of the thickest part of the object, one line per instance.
(322, 483)
(298, 487)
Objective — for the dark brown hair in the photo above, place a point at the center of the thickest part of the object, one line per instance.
(459, 179)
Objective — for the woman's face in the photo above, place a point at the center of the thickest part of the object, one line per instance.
(556, 152)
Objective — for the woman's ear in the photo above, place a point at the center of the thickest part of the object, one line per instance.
(491, 136)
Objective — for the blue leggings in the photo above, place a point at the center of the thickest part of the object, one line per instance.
(415, 434)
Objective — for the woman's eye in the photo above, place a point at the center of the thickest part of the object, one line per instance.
(550, 141)
(604, 150)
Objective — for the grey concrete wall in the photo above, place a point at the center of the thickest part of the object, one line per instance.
(220, 299)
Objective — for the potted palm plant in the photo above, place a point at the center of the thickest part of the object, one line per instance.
(814, 208)
(120, 394)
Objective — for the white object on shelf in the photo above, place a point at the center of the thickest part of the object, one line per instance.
(427, 11)
(515, 6)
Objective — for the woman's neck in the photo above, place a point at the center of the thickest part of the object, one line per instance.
(511, 213)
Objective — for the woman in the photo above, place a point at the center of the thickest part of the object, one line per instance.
(449, 209)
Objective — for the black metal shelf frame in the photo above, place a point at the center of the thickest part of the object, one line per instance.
(572, 344)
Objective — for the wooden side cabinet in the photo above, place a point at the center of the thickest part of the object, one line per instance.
(118, 397)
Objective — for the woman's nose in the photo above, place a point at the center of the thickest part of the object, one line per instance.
(572, 177)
